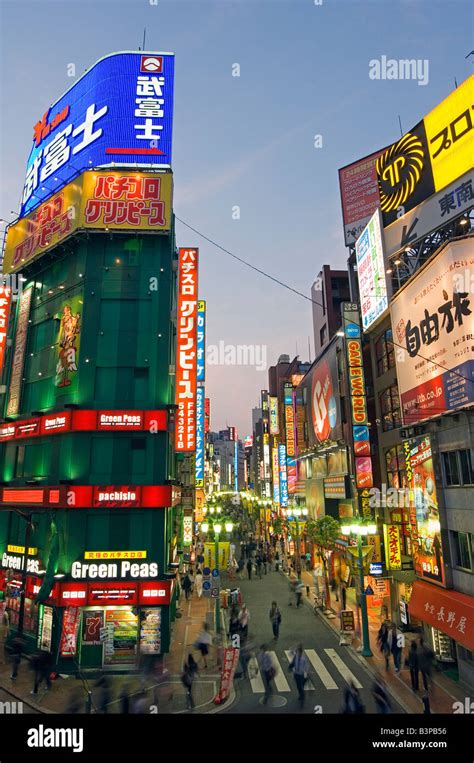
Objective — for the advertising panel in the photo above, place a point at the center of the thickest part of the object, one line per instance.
(200, 437)
(207, 414)
(5, 304)
(322, 399)
(21, 335)
(68, 343)
(92, 623)
(283, 476)
(120, 110)
(429, 157)
(71, 618)
(275, 476)
(121, 637)
(432, 322)
(371, 272)
(187, 531)
(150, 631)
(289, 420)
(424, 502)
(393, 549)
(186, 351)
(201, 341)
(273, 410)
(359, 195)
(107, 200)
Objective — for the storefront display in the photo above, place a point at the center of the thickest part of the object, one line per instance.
(150, 631)
(120, 643)
(444, 647)
(45, 628)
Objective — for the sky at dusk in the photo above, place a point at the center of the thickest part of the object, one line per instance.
(245, 141)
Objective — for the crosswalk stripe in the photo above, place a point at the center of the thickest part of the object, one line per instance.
(342, 668)
(257, 684)
(280, 679)
(320, 669)
(308, 683)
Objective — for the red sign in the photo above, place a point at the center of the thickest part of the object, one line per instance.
(231, 658)
(364, 477)
(447, 611)
(92, 623)
(13, 405)
(5, 304)
(113, 496)
(73, 594)
(58, 422)
(120, 420)
(359, 195)
(28, 428)
(154, 592)
(7, 432)
(186, 351)
(71, 618)
(322, 392)
(151, 64)
(207, 414)
(113, 593)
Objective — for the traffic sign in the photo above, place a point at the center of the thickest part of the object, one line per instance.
(369, 591)
(214, 593)
(215, 573)
(206, 571)
(206, 585)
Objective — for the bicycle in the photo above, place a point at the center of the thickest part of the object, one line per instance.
(319, 602)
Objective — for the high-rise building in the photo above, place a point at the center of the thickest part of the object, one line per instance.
(328, 292)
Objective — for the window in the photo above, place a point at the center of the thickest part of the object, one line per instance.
(323, 335)
(463, 545)
(385, 353)
(390, 407)
(458, 468)
(396, 465)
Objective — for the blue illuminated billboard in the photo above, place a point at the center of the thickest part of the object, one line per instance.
(201, 341)
(200, 437)
(118, 114)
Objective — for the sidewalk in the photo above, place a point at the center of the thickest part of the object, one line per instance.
(444, 691)
(164, 696)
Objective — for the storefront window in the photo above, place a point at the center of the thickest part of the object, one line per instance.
(395, 461)
(384, 353)
(458, 468)
(390, 407)
(463, 549)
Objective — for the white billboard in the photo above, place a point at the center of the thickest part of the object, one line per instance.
(371, 272)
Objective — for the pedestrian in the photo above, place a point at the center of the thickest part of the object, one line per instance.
(140, 704)
(277, 561)
(103, 685)
(412, 660)
(292, 589)
(187, 585)
(244, 618)
(300, 666)
(425, 663)
(4, 633)
(343, 593)
(353, 704)
(240, 567)
(259, 566)
(125, 699)
(41, 664)
(267, 670)
(265, 562)
(380, 695)
(275, 619)
(198, 580)
(202, 643)
(247, 652)
(299, 588)
(249, 568)
(333, 584)
(18, 645)
(234, 622)
(394, 639)
(382, 640)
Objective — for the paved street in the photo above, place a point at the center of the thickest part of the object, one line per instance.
(331, 665)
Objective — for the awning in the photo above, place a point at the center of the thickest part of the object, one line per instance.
(447, 611)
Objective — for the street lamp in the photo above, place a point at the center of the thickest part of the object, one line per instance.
(360, 530)
(295, 515)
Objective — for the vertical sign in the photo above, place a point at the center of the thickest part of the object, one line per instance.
(359, 416)
(21, 334)
(187, 530)
(273, 408)
(393, 549)
(201, 341)
(276, 476)
(207, 414)
(283, 476)
(236, 466)
(186, 351)
(290, 427)
(5, 304)
(200, 437)
(71, 618)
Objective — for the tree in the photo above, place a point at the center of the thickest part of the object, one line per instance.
(324, 532)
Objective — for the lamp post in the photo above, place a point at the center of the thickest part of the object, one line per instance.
(217, 527)
(294, 515)
(360, 530)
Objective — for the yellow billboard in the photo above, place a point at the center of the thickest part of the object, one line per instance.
(450, 135)
(103, 201)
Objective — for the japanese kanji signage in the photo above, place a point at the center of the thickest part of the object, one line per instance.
(429, 157)
(275, 476)
(424, 510)
(371, 272)
(201, 341)
(5, 304)
(207, 414)
(432, 319)
(71, 619)
(98, 200)
(393, 550)
(120, 110)
(283, 476)
(200, 437)
(273, 413)
(186, 351)
(229, 664)
(447, 611)
(359, 195)
(21, 335)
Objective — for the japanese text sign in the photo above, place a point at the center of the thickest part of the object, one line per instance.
(186, 351)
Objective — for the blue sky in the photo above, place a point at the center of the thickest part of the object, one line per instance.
(246, 141)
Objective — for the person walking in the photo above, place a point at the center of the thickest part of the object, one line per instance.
(300, 667)
(343, 593)
(244, 618)
(425, 663)
(249, 568)
(259, 565)
(187, 585)
(41, 664)
(275, 619)
(382, 641)
(380, 695)
(395, 646)
(299, 588)
(412, 660)
(4, 633)
(202, 643)
(189, 673)
(353, 704)
(267, 670)
(198, 580)
(234, 622)
(18, 644)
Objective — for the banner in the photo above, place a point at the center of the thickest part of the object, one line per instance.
(68, 343)
(5, 305)
(21, 336)
(359, 195)
(95, 200)
(71, 618)
(393, 550)
(210, 555)
(273, 410)
(186, 351)
(201, 341)
(229, 664)
(199, 464)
